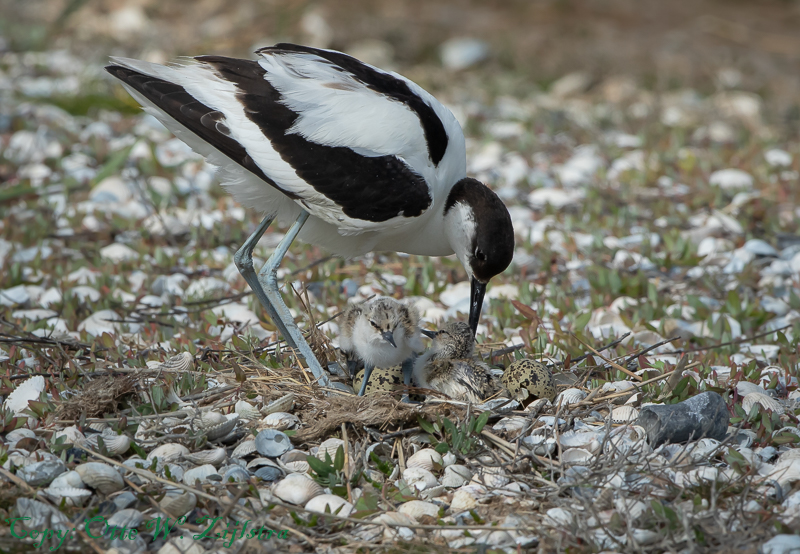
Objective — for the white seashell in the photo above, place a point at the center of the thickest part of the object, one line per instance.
(617, 386)
(792, 454)
(575, 439)
(392, 533)
(419, 478)
(199, 474)
(569, 396)
(449, 459)
(181, 362)
(246, 410)
(173, 472)
(99, 426)
(139, 465)
(577, 456)
(765, 401)
(68, 479)
(235, 474)
(418, 508)
(511, 425)
(215, 457)
(168, 452)
(433, 492)
(114, 444)
(41, 473)
(786, 472)
(329, 503)
(283, 404)
(129, 518)
(177, 502)
(383, 450)
(219, 430)
(427, 458)
(624, 414)
(13, 437)
(259, 462)
(746, 387)
(540, 445)
(30, 389)
(297, 488)
(280, 421)
(781, 544)
(632, 508)
(294, 456)
(463, 499)
(298, 467)
(558, 517)
(330, 447)
(101, 477)
(456, 475)
(244, 449)
(72, 496)
(491, 478)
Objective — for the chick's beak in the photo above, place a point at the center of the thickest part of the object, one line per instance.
(388, 336)
(476, 303)
(429, 334)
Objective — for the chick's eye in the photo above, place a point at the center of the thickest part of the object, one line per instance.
(480, 255)
(378, 327)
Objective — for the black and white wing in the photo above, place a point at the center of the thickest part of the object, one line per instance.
(357, 147)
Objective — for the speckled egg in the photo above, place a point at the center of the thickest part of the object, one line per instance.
(530, 376)
(381, 380)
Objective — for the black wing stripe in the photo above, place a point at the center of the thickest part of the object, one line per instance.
(435, 134)
(372, 189)
(195, 116)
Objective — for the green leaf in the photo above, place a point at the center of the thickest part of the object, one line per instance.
(318, 466)
(338, 463)
(442, 448)
(481, 421)
(425, 425)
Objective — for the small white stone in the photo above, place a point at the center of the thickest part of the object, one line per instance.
(778, 158)
(118, 252)
(730, 179)
(461, 53)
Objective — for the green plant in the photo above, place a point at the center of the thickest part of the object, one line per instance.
(458, 439)
(330, 472)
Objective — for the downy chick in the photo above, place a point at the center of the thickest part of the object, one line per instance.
(382, 332)
(448, 366)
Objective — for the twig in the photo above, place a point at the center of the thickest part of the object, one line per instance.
(729, 343)
(613, 364)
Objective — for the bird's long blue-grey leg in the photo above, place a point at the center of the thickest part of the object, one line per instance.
(268, 279)
(408, 368)
(244, 263)
(367, 372)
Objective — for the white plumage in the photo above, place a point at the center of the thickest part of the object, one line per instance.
(361, 159)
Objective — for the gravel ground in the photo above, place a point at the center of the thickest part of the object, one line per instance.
(663, 215)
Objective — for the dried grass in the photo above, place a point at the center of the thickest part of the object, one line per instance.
(379, 410)
(97, 397)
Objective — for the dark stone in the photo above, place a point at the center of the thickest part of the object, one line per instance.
(704, 415)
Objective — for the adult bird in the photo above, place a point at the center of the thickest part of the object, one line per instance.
(361, 159)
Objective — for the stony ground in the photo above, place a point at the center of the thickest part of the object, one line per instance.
(127, 337)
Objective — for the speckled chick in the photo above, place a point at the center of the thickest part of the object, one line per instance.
(448, 366)
(529, 379)
(382, 332)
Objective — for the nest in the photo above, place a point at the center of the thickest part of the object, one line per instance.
(327, 414)
(97, 398)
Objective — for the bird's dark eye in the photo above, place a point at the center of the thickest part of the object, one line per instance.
(480, 255)
(378, 327)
